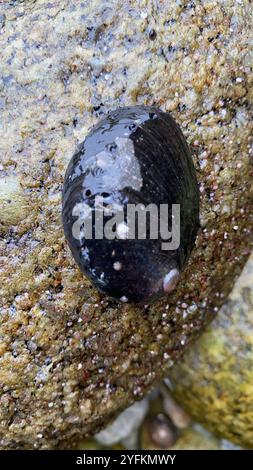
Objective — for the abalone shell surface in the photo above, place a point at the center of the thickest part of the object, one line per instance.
(134, 156)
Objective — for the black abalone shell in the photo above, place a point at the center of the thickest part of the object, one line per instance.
(135, 155)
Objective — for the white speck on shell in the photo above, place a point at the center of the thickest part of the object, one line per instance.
(117, 266)
(122, 230)
(170, 280)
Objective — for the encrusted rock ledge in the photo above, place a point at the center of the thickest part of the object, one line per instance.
(71, 359)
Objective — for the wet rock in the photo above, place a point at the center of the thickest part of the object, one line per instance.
(93, 357)
(179, 417)
(158, 432)
(214, 381)
(125, 424)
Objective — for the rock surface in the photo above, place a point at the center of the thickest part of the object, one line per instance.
(182, 433)
(71, 359)
(214, 382)
(125, 424)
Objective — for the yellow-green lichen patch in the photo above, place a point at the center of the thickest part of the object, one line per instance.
(214, 381)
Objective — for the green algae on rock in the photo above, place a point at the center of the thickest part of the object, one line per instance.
(214, 381)
(69, 358)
